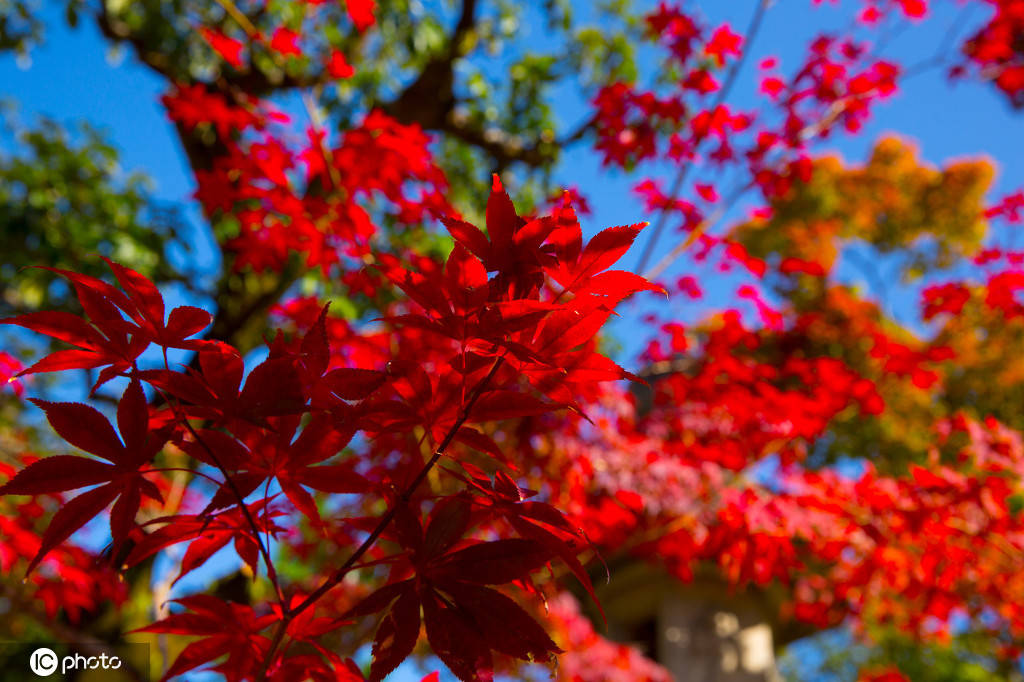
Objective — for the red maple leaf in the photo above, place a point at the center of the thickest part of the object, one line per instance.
(293, 461)
(122, 480)
(107, 339)
(226, 629)
(465, 619)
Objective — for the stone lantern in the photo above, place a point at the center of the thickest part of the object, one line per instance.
(701, 631)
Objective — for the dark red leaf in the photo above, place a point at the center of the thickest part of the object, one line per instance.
(61, 326)
(316, 353)
(57, 474)
(85, 428)
(122, 516)
(482, 443)
(498, 405)
(186, 320)
(353, 384)
(60, 360)
(333, 478)
(378, 600)
(504, 625)
(133, 417)
(196, 654)
(142, 292)
(493, 563)
(470, 237)
(607, 247)
(72, 516)
(272, 388)
(502, 221)
(449, 521)
(457, 642)
(396, 635)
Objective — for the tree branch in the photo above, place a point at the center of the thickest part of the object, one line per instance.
(430, 102)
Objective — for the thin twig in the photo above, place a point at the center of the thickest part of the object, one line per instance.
(239, 18)
(308, 101)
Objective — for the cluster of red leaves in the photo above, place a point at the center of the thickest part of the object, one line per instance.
(943, 549)
(308, 198)
(69, 578)
(1001, 293)
(995, 50)
(916, 551)
(746, 404)
(944, 298)
(689, 123)
(875, 10)
(835, 85)
(901, 360)
(1008, 208)
(631, 120)
(998, 293)
(505, 329)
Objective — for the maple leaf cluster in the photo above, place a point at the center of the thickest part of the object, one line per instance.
(306, 198)
(504, 329)
(68, 578)
(835, 88)
(919, 551)
(996, 52)
(688, 121)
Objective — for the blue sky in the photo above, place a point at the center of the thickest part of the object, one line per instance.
(74, 76)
